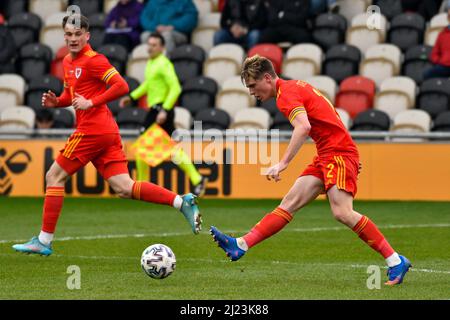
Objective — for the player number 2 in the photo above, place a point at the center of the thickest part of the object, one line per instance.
(330, 174)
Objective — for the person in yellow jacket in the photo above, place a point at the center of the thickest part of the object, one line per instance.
(162, 88)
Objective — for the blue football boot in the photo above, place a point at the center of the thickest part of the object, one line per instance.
(34, 246)
(398, 272)
(227, 243)
(191, 212)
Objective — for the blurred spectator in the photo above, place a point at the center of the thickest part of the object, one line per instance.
(122, 24)
(287, 21)
(426, 9)
(173, 19)
(317, 7)
(44, 119)
(440, 55)
(2, 19)
(241, 22)
(7, 50)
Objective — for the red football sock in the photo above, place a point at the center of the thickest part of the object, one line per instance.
(369, 233)
(149, 192)
(54, 198)
(268, 226)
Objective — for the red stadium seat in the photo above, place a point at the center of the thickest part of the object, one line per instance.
(271, 51)
(355, 95)
(56, 67)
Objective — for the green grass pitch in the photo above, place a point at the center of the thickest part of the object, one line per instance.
(314, 257)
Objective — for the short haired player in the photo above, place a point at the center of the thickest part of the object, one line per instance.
(334, 170)
(90, 81)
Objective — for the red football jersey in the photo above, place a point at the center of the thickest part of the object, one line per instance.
(327, 129)
(88, 75)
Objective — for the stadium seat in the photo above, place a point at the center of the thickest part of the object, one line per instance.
(182, 119)
(204, 7)
(396, 94)
(13, 7)
(8, 50)
(302, 61)
(406, 30)
(251, 118)
(39, 85)
(325, 84)
(389, 8)
(198, 93)
(212, 118)
(442, 122)
(329, 30)
(137, 62)
(411, 121)
(34, 61)
(371, 120)
(234, 96)
(88, 7)
(381, 61)
(224, 61)
(188, 61)
(351, 8)
(361, 36)
(341, 61)
(97, 30)
(434, 96)
(108, 5)
(25, 28)
(345, 118)
(114, 105)
(280, 122)
(437, 23)
(52, 33)
(271, 51)
(63, 118)
(17, 117)
(269, 105)
(116, 54)
(203, 34)
(355, 95)
(12, 89)
(416, 62)
(131, 118)
(56, 66)
(46, 8)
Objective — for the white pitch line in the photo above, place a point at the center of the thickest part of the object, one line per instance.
(176, 234)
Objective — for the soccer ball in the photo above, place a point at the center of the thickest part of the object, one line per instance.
(158, 261)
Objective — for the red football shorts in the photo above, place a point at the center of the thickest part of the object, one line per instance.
(104, 151)
(339, 170)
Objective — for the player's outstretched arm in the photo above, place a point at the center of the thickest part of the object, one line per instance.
(301, 130)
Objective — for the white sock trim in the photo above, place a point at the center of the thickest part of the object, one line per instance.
(45, 238)
(177, 202)
(242, 244)
(393, 260)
